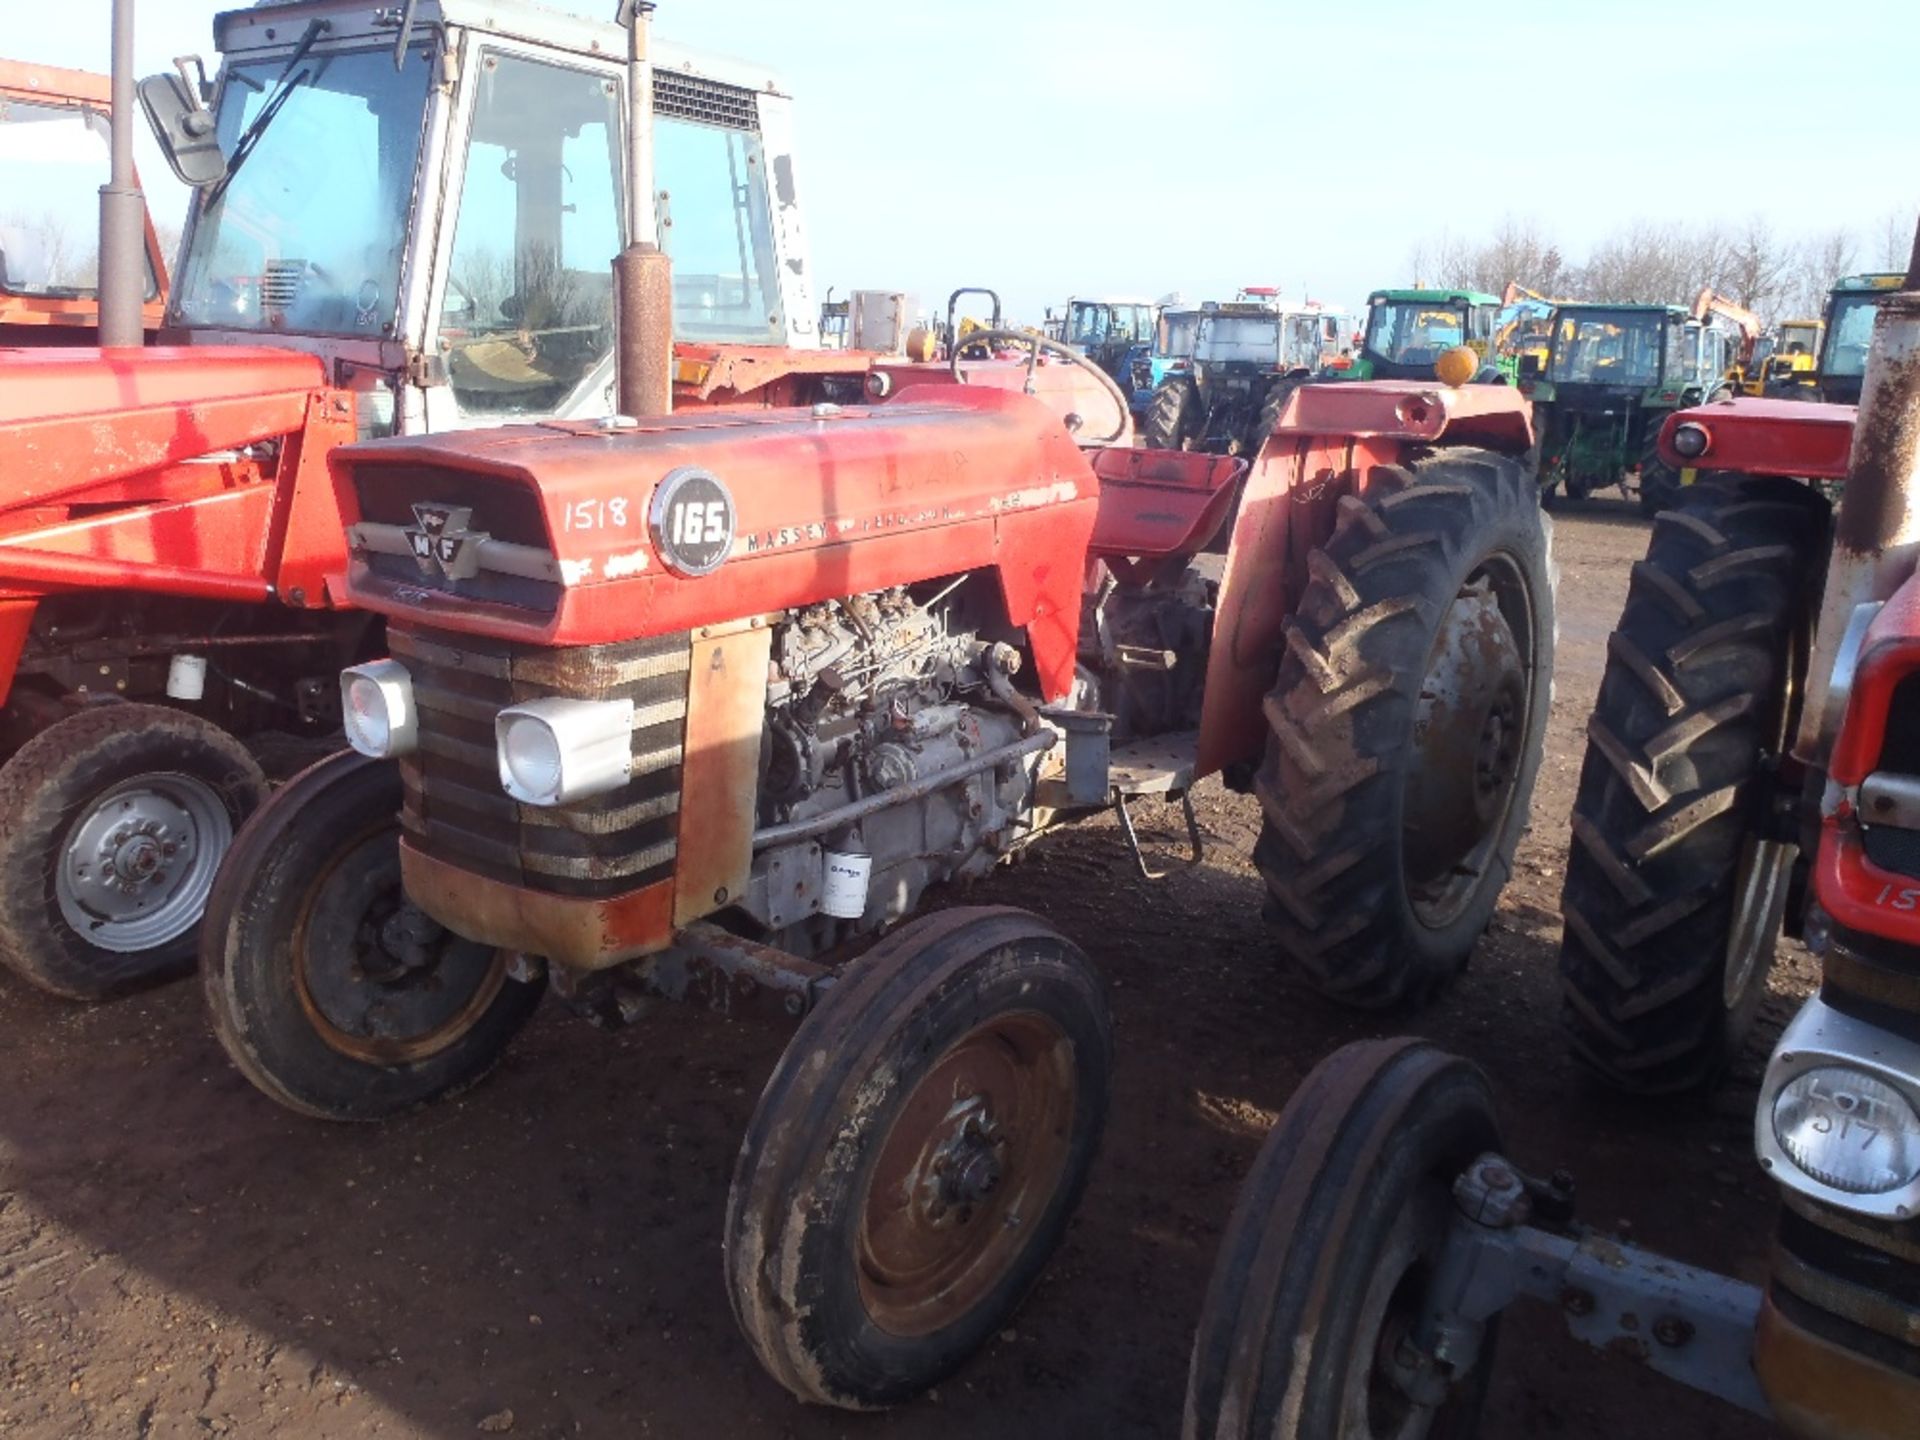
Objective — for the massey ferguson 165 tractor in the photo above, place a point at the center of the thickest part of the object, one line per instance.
(1761, 702)
(403, 222)
(700, 705)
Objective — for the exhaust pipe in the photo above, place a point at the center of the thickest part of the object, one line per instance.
(642, 273)
(123, 210)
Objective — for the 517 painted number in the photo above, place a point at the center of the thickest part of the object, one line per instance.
(699, 523)
(597, 514)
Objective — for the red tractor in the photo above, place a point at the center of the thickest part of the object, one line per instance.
(401, 223)
(1761, 703)
(698, 706)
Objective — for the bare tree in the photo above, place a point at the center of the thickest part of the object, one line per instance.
(1822, 261)
(1894, 239)
(1758, 266)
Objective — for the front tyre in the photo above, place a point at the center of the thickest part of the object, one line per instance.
(916, 1154)
(1406, 726)
(1321, 1278)
(113, 824)
(327, 989)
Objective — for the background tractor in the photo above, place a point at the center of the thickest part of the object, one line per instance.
(53, 161)
(1849, 330)
(1407, 331)
(698, 706)
(1247, 357)
(1758, 701)
(1614, 373)
(1174, 334)
(1784, 361)
(1105, 329)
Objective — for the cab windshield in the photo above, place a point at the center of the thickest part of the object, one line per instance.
(1848, 334)
(1176, 336)
(307, 231)
(1094, 323)
(1408, 332)
(53, 161)
(1254, 339)
(1606, 347)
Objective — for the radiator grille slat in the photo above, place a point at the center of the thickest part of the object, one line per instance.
(454, 806)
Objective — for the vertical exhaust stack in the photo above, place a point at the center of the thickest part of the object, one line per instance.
(642, 273)
(1877, 527)
(123, 210)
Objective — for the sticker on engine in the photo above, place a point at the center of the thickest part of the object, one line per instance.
(691, 521)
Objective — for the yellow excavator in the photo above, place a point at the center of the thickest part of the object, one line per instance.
(1785, 360)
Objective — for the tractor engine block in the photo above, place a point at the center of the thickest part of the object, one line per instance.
(871, 695)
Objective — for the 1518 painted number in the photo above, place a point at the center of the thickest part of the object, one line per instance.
(1898, 897)
(597, 514)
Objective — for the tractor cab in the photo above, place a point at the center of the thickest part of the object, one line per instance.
(53, 161)
(428, 201)
(1106, 328)
(1849, 327)
(1408, 331)
(1174, 334)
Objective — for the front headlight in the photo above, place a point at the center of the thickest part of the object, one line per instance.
(377, 710)
(1691, 440)
(1848, 1130)
(556, 750)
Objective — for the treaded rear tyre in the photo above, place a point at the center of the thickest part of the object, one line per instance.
(1169, 415)
(1354, 740)
(1698, 685)
(1659, 482)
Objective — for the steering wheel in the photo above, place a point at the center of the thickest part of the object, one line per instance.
(1035, 344)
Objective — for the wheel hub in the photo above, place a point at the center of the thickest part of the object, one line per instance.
(138, 865)
(1469, 733)
(966, 1167)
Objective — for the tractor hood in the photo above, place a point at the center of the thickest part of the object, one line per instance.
(590, 533)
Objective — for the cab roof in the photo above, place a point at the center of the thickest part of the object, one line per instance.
(278, 23)
(1879, 280)
(1444, 297)
(1588, 307)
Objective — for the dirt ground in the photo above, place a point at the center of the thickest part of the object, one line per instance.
(179, 1257)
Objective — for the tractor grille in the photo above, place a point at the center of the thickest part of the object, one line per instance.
(523, 574)
(455, 809)
(705, 102)
(1892, 848)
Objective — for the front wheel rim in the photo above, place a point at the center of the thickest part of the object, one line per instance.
(137, 866)
(378, 981)
(964, 1172)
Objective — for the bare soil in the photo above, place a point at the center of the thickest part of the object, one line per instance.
(179, 1257)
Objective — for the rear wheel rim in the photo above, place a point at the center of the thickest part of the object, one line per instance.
(138, 864)
(378, 980)
(1458, 794)
(1760, 888)
(972, 1159)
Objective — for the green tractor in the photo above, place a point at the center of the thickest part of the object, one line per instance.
(1843, 356)
(1613, 374)
(1409, 330)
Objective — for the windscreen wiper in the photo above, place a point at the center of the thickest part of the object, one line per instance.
(282, 90)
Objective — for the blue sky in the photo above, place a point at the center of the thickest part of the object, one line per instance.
(1051, 146)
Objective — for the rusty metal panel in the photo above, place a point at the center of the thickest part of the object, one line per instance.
(581, 932)
(726, 709)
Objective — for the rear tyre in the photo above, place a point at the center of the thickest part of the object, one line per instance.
(1170, 416)
(1322, 1270)
(1659, 482)
(327, 989)
(1406, 726)
(916, 1154)
(1672, 901)
(1272, 408)
(113, 824)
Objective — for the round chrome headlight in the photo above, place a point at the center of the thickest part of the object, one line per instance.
(376, 709)
(1691, 440)
(1848, 1130)
(529, 759)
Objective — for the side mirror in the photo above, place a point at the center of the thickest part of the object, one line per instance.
(182, 124)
